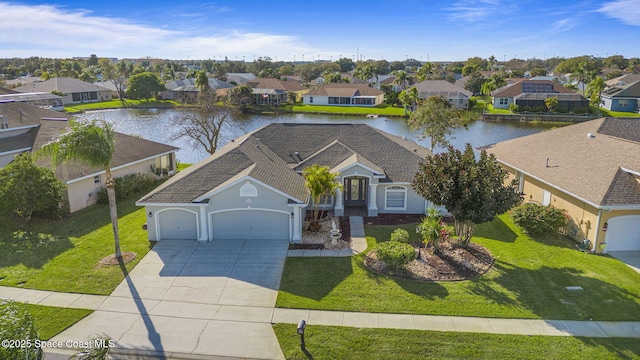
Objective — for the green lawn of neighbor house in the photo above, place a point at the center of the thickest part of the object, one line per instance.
(117, 104)
(50, 320)
(528, 280)
(384, 110)
(64, 255)
(332, 342)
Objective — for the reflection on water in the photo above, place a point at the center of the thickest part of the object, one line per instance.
(155, 124)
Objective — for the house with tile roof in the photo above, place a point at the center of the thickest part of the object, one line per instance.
(253, 188)
(533, 93)
(272, 91)
(591, 170)
(623, 94)
(75, 91)
(344, 94)
(186, 89)
(457, 96)
(26, 128)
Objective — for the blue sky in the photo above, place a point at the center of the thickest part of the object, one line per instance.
(378, 29)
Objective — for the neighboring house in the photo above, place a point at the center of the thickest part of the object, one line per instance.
(26, 128)
(186, 89)
(75, 91)
(239, 78)
(622, 96)
(272, 91)
(533, 93)
(623, 80)
(253, 188)
(344, 94)
(108, 84)
(591, 170)
(457, 96)
(44, 100)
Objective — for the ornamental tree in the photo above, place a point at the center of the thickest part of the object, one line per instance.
(27, 189)
(472, 190)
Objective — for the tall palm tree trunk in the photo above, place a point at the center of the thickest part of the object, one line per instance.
(113, 211)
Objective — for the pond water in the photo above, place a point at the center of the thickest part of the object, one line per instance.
(155, 124)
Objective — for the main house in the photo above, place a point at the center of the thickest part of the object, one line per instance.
(590, 170)
(74, 91)
(253, 188)
(25, 128)
(533, 93)
(344, 94)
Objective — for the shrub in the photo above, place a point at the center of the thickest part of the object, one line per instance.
(29, 190)
(17, 324)
(400, 235)
(126, 187)
(395, 254)
(472, 102)
(536, 219)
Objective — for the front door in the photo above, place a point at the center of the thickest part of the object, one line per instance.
(355, 191)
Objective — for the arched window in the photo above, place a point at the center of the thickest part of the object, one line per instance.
(395, 198)
(248, 190)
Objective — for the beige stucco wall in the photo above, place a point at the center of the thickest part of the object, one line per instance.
(583, 217)
(83, 193)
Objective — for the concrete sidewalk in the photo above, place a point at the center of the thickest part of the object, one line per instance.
(256, 314)
(629, 329)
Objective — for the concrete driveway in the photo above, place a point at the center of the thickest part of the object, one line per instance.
(631, 258)
(189, 298)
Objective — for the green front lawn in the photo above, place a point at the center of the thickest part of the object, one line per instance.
(528, 280)
(349, 110)
(51, 321)
(622, 114)
(64, 255)
(332, 342)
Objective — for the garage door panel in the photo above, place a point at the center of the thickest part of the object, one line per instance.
(250, 225)
(178, 225)
(623, 233)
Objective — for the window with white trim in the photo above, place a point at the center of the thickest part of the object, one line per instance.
(96, 179)
(395, 198)
(248, 190)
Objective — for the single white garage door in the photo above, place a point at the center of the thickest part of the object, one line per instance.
(623, 233)
(176, 224)
(250, 225)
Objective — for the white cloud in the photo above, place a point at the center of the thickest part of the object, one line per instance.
(51, 31)
(478, 10)
(627, 11)
(564, 25)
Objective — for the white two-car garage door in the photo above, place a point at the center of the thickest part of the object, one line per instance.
(177, 224)
(251, 224)
(623, 233)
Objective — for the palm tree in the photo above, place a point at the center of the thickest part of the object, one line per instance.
(431, 229)
(401, 78)
(92, 144)
(425, 71)
(551, 103)
(202, 81)
(320, 182)
(595, 89)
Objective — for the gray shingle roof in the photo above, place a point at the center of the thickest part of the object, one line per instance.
(48, 124)
(65, 84)
(587, 167)
(269, 155)
(345, 89)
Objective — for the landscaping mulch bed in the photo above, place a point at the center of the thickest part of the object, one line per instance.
(452, 264)
(110, 260)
